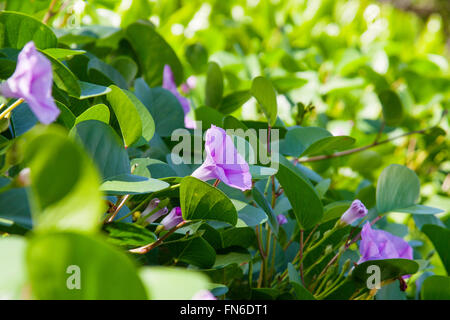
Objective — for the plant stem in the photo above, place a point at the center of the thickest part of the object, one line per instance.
(150, 246)
(350, 151)
(118, 207)
(50, 13)
(11, 108)
(301, 256)
(216, 183)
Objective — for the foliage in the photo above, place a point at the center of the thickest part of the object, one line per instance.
(357, 93)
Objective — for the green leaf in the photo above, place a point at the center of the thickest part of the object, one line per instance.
(64, 184)
(435, 288)
(335, 210)
(148, 125)
(201, 201)
(265, 94)
(214, 86)
(153, 53)
(251, 215)
(147, 167)
(195, 250)
(440, 237)
(105, 272)
(90, 90)
(242, 237)
(298, 140)
(14, 207)
(128, 235)
(208, 116)
(17, 29)
(263, 204)
(420, 209)
(63, 54)
(398, 187)
(13, 268)
(303, 197)
(104, 146)
(98, 112)
(329, 145)
(164, 107)
(63, 77)
(234, 101)
(131, 184)
(300, 291)
(392, 107)
(197, 56)
(164, 283)
(389, 268)
(260, 172)
(104, 74)
(127, 115)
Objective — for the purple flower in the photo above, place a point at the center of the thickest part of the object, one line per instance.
(204, 295)
(281, 219)
(32, 81)
(223, 162)
(379, 244)
(152, 206)
(169, 84)
(190, 84)
(172, 219)
(357, 210)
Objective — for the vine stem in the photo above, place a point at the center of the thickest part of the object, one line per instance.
(118, 207)
(150, 246)
(11, 108)
(50, 13)
(301, 256)
(351, 151)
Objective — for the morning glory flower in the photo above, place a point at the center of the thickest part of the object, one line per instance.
(152, 206)
(190, 84)
(204, 295)
(172, 219)
(357, 210)
(223, 162)
(380, 244)
(169, 84)
(281, 219)
(32, 81)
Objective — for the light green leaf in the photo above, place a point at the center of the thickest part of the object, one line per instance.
(303, 197)
(201, 201)
(440, 237)
(127, 115)
(153, 53)
(105, 272)
(435, 288)
(214, 86)
(64, 184)
(131, 184)
(398, 187)
(265, 94)
(17, 29)
(98, 112)
(192, 281)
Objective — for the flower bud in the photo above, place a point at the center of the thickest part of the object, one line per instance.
(172, 219)
(150, 208)
(357, 210)
(281, 219)
(23, 179)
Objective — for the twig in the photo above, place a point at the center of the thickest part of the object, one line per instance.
(150, 246)
(350, 151)
(118, 207)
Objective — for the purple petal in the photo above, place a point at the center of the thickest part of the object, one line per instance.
(281, 219)
(169, 84)
(204, 295)
(356, 211)
(223, 162)
(172, 219)
(32, 80)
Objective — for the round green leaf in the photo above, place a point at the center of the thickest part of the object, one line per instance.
(201, 201)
